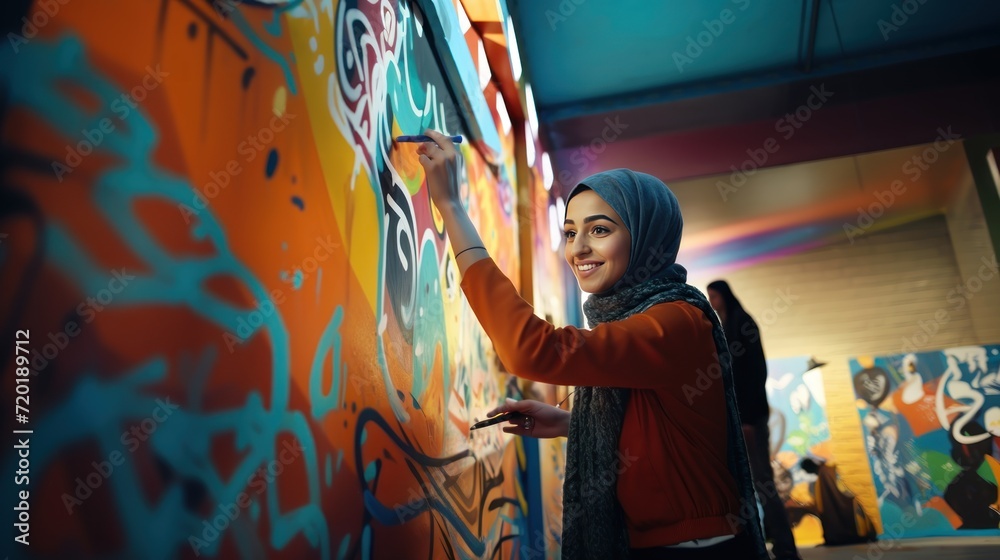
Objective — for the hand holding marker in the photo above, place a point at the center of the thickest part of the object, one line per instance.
(495, 420)
(424, 138)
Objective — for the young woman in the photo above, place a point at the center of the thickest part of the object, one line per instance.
(656, 465)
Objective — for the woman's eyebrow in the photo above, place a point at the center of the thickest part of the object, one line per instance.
(596, 217)
(589, 219)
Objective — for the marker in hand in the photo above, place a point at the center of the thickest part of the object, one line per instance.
(495, 420)
(424, 138)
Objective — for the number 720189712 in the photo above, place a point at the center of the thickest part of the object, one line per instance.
(21, 341)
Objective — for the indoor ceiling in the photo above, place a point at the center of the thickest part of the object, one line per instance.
(787, 209)
(695, 90)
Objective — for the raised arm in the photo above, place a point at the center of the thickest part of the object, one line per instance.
(669, 345)
(440, 162)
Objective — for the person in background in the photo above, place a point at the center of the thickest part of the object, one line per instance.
(750, 376)
(649, 475)
(842, 518)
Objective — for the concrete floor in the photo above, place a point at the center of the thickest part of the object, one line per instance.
(953, 548)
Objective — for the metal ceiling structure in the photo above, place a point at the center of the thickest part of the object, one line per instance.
(695, 84)
(710, 94)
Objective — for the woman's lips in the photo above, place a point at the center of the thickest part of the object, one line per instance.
(588, 272)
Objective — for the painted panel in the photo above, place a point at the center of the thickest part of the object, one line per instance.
(246, 336)
(799, 428)
(931, 423)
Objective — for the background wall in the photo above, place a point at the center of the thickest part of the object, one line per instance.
(244, 322)
(894, 290)
(973, 248)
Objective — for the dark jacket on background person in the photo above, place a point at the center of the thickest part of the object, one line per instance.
(749, 363)
(749, 379)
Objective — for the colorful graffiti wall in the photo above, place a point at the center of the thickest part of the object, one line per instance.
(931, 424)
(240, 320)
(799, 429)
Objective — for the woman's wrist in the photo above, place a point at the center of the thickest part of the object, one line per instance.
(450, 209)
(567, 417)
(462, 235)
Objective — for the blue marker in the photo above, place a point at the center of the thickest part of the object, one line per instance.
(425, 138)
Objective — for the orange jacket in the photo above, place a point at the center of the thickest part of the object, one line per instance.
(673, 483)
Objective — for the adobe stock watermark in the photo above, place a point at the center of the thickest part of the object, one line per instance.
(122, 107)
(418, 503)
(575, 339)
(705, 378)
(764, 492)
(537, 547)
(782, 302)
(43, 14)
(226, 7)
(583, 156)
(958, 297)
(696, 44)
(132, 438)
(914, 169)
(899, 16)
(657, 259)
(258, 482)
(248, 323)
(895, 531)
(565, 9)
(86, 312)
(787, 127)
(600, 484)
(249, 148)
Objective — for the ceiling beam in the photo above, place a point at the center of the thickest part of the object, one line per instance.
(737, 86)
(771, 100)
(811, 37)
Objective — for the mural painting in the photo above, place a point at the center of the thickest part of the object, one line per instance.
(244, 333)
(799, 429)
(931, 424)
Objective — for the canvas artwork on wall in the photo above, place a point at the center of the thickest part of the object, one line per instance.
(931, 423)
(799, 428)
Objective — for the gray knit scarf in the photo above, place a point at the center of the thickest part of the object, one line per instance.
(593, 522)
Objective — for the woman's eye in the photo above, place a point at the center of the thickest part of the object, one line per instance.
(569, 234)
(601, 230)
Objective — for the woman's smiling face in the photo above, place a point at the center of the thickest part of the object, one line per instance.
(598, 245)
